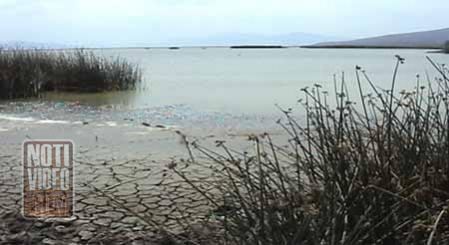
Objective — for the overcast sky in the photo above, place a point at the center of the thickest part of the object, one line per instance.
(155, 22)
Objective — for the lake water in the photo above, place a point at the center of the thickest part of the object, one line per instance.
(230, 84)
(253, 80)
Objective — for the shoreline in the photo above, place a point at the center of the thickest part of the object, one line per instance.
(119, 174)
(261, 46)
(366, 47)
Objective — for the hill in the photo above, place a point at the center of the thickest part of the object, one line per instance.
(427, 40)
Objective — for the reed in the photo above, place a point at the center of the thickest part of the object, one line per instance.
(28, 73)
(375, 172)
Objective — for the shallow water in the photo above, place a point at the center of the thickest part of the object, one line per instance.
(253, 80)
(221, 86)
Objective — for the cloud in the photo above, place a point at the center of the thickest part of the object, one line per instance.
(154, 21)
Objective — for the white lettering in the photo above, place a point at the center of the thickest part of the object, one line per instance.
(46, 179)
(58, 156)
(32, 177)
(46, 155)
(33, 158)
(65, 179)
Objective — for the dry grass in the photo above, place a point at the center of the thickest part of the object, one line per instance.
(372, 173)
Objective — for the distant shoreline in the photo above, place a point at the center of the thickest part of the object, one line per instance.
(258, 47)
(270, 47)
(239, 47)
(364, 47)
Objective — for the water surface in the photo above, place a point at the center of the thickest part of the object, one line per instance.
(226, 86)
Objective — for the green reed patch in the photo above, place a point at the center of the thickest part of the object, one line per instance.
(28, 73)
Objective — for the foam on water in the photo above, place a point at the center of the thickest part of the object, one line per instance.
(15, 118)
(52, 122)
(111, 124)
(30, 119)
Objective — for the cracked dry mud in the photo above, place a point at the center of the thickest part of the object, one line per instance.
(119, 201)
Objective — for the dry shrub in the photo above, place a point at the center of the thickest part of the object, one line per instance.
(372, 173)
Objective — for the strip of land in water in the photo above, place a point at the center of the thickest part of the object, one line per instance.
(257, 47)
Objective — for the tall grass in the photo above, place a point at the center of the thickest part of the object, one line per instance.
(375, 172)
(28, 73)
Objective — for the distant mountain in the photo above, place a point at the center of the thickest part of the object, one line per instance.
(425, 39)
(31, 45)
(232, 39)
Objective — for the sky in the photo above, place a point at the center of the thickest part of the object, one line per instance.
(163, 22)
